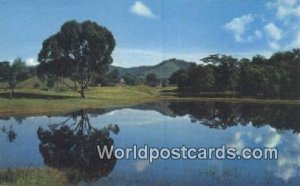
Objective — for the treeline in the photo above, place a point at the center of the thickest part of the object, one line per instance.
(222, 115)
(114, 78)
(12, 73)
(274, 77)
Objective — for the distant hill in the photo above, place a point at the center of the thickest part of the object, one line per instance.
(162, 70)
(32, 81)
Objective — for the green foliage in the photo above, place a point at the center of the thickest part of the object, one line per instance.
(4, 70)
(253, 80)
(50, 82)
(79, 51)
(276, 77)
(162, 70)
(112, 78)
(226, 71)
(36, 85)
(198, 78)
(32, 176)
(152, 80)
(13, 73)
(130, 80)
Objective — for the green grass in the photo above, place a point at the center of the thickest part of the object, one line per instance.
(37, 102)
(31, 82)
(49, 102)
(32, 177)
(171, 93)
(236, 100)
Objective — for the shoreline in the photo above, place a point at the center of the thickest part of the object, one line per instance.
(34, 112)
(105, 98)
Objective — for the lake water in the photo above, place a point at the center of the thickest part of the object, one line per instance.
(68, 142)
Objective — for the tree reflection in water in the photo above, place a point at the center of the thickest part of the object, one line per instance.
(223, 115)
(72, 148)
(9, 131)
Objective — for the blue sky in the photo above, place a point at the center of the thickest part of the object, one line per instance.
(149, 31)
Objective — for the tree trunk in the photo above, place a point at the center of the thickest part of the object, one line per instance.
(82, 91)
(11, 93)
(75, 85)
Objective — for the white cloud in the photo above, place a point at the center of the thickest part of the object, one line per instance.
(287, 13)
(273, 31)
(237, 142)
(274, 45)
(288, 162)
(274, 34)
(141, 165)
(258, 34)
(272, 139)
(238, 26)
(141, 9)
(296, 41)
(285, 8)
(258, 139)
(31, 62)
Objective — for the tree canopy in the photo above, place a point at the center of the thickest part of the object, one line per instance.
(14, 72)
(274, 77)
(80, 51)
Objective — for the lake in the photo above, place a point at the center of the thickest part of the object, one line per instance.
(68, 142)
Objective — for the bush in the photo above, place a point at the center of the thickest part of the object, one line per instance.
(61, 89)
(36, 85)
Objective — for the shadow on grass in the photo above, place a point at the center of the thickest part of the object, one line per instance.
(17, 95)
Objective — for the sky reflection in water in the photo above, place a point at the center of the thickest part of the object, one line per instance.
(171, 124)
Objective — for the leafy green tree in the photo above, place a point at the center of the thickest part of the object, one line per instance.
(152, 80)
(113, 77)
(176, 77)
(50, 82)
(130, 79)
(287, 66)
(22, 71)
(201, 78)
(253, 80)
(80, 51)
(4, 70)
(14, 70)
(226, 71)
(180, 79)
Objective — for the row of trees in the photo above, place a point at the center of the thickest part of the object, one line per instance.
(12, 73)
(276, 77)
(82, 53)
(113, 78)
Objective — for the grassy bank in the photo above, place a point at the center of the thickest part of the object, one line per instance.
(30, 101)
(32, 177)
(34, 101)
(171, 93)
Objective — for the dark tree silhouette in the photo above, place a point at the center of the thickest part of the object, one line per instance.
(72, 148)
(274, 77)
(80, 51)
(9, 131)
(222, 115)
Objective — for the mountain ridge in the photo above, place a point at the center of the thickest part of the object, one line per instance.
(162, 70)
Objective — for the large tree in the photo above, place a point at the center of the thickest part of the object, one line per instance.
(79, 51)
(152, 80)
(4, 70)
(226, 71)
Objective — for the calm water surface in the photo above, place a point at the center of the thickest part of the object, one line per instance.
(68, 143)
